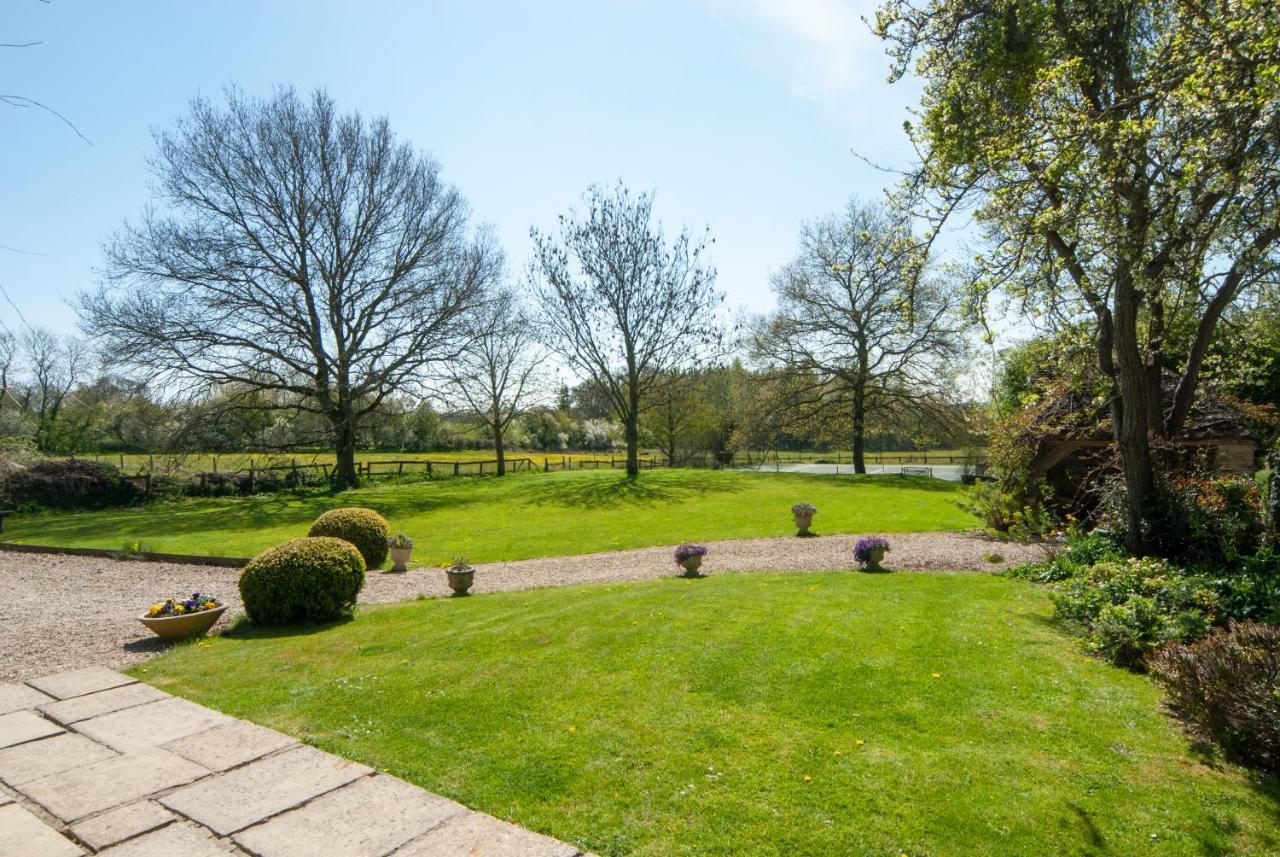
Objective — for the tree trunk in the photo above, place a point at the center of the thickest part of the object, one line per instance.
(344, 441)
(859, 429)
(633, 434)
(500, 450)
(1130, 418)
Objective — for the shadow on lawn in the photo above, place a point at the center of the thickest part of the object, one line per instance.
(621, 491)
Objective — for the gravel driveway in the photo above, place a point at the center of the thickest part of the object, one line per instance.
(62, 612)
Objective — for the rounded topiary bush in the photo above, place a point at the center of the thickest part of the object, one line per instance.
(364, 528)
(304, 580)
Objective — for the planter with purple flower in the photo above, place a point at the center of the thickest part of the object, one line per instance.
(869, 552)
(689, 557)
(180, 618)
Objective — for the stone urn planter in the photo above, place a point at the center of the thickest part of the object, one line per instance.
(400, 558)
(869, 553)
(184, 626)
(689, 557)
(803, 514)
(460, 579)
(401, 547)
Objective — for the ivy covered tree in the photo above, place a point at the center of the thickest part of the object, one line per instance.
(1123, 160)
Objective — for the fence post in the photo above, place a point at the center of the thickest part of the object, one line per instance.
(428, 467)
(455, 468)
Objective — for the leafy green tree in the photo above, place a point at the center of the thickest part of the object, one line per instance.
(1123, 160)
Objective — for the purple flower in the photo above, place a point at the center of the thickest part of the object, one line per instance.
(689, 550)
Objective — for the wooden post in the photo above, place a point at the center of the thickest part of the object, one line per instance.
(400, 472)
(251, 476)
(428, 467)
(455, 468)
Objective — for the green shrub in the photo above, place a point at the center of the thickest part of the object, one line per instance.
(1227, 689)
(304, 580)
(1080, 552)
(71, 483)
(1196, 518)
(1127, 608)
(364, 528)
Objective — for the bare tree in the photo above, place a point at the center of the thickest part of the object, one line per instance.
(54, 365)
(495, 374)
(620, 304)
(305, 254)
(8, 359)
(859, 325)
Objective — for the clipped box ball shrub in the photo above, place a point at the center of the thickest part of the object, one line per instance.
(364, 528)
(304, 580)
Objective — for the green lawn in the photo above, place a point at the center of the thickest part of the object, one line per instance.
(814, 714)
(525, 515)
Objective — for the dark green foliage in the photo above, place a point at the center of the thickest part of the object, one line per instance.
(364, 528)
(71, 483)
(1226, 688)
(1127, 608)
(304, 580)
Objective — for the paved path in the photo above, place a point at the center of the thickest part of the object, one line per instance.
(93, 762)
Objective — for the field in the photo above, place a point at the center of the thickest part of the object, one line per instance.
(523, 515)
(770, 714)
(196, 462)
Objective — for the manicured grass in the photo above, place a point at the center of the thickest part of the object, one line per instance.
(764, 714)
(525, 515)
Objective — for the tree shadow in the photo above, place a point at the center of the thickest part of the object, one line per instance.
(1095, 842)
(621, 491)
(247, 630)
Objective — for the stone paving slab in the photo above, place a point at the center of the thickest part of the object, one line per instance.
(372, 816)
(478, 835)
(65, 685)
(15, 697)
(19, 727)
(23, 834)
(228, 802)
(74, 794)
(151, 725)
(36, 759)
(176, 840)
(125, 822)
(68, 711)
(230, 745)
(170, 778)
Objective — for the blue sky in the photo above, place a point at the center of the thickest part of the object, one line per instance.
(743, 115)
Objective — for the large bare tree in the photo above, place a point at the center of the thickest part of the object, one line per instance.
(859, 327)
(495, 375)
(623, 306)
(300, 252)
